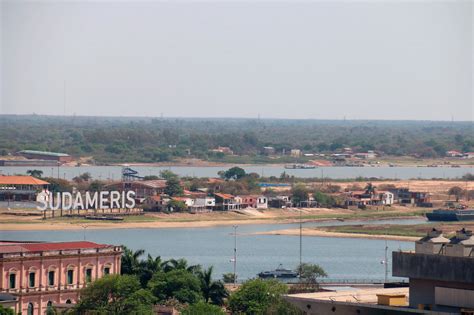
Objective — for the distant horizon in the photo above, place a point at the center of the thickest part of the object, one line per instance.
(233, 118)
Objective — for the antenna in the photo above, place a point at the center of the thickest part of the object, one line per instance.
(64, 98)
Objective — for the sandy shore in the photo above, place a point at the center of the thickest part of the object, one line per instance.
(319, 233)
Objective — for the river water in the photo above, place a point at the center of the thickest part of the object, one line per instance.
(114, 172)
(342, 258)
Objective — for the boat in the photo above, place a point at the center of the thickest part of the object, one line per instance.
(299, 166)
(280, 272)
(451, 215)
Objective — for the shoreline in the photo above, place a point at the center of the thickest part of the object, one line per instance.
(95, 225)
(320, 233)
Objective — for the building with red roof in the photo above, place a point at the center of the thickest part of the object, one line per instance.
(20, 188)
(48, 274)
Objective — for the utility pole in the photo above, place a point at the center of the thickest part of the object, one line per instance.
(301, 239)
(386, 262)
(235, 255)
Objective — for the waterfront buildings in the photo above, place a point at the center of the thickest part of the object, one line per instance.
(20, 188)
(142, 188)
(42, 275)
(43, 155)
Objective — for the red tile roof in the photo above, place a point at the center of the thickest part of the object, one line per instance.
(39, 247)
(21, 180)
(224, 196)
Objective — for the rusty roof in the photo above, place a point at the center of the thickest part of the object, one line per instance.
(21, 180)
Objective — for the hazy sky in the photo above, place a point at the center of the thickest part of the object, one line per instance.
(286, 59)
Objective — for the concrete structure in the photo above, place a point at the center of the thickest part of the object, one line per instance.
(20, 188)
(365, 301)
(48, 274)
(441, 279)
(269, 150)
(226, 202)
(44, 155)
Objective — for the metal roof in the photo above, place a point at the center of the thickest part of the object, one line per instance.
(43, 153)
(21, 180)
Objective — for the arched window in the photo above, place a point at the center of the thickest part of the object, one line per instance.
(49, 306)
(68, 301)
(31, 309)
(70, 274)
(107, 269)
(51, 275)
(12, 279)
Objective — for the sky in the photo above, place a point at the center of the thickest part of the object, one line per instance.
(390, 60)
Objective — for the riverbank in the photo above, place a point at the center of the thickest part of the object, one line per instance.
(187, 220)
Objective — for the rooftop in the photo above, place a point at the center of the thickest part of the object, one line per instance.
(15, 247)
(21, 180)
(42, 153)
(367, 296)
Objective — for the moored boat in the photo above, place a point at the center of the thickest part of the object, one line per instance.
(279, 272)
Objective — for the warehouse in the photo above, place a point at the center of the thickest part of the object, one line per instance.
(43, 155)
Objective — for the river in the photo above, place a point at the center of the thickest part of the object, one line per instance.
(114, 172)
(342, 258)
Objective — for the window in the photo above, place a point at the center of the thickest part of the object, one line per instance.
(31, 309)
(49, 307)
(88, 275)
(106, 270)
(31, 280)
(51, 278)
(70, 276)
(68, 301)
(12, 281)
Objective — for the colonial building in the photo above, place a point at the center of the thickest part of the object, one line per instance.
(42, 275)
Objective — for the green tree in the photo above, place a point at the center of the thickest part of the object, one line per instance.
(370, 189)
(179, 284)
(58, 184)
(96, 185)
(180, 264)
(131, 263)
(299, 193)
(6, 310)
(167, 174)
(35, 173)
(323, 199)
(228, 277)
(455, 191)
(148, 268)
(115, 294)
(176, 205)
(309, 273)
(257, 296)
(202, 308)
(150, 177)
(234, 173)
(213, 291)
(173, 187)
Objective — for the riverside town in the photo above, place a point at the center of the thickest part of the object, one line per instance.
(236, 157)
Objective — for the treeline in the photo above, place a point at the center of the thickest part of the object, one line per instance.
(155, 140)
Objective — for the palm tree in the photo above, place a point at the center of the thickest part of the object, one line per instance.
(182, 264)
(130, 261)
(212, 290)
(149, 267)
(370, 189)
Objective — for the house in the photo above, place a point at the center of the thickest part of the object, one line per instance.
(365, 198)
(281, 201)
(252, 201)
(453, 153)
(386, 197)
(224, 150)
(42, 275)
(405, 196)
(225, 202)
(142, 188)
(154, 202)
(366, 155)
(206, 202)
(268, 150)
(262, 202)
(469, 155)
(295, 153)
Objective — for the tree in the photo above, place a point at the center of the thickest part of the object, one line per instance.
(6, 310)
(173, 187)
(202, 308)
(35, 173)
(213, 291)
(176, 205)
(150, 177)
(96, 185)
(179, 284)
(234, 173)
(455, 191)
(58, 184)
(299, 193)
(167, 174)
(256, 296)
(115, 294)
(228, 277)
(131, 264)
(323, 199)
(84, 177)
(180, 264)
(370, 189)
(148, 268)
(309, 273)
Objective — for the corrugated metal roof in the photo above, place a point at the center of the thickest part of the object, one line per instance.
(21, 180)
(42, 153)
